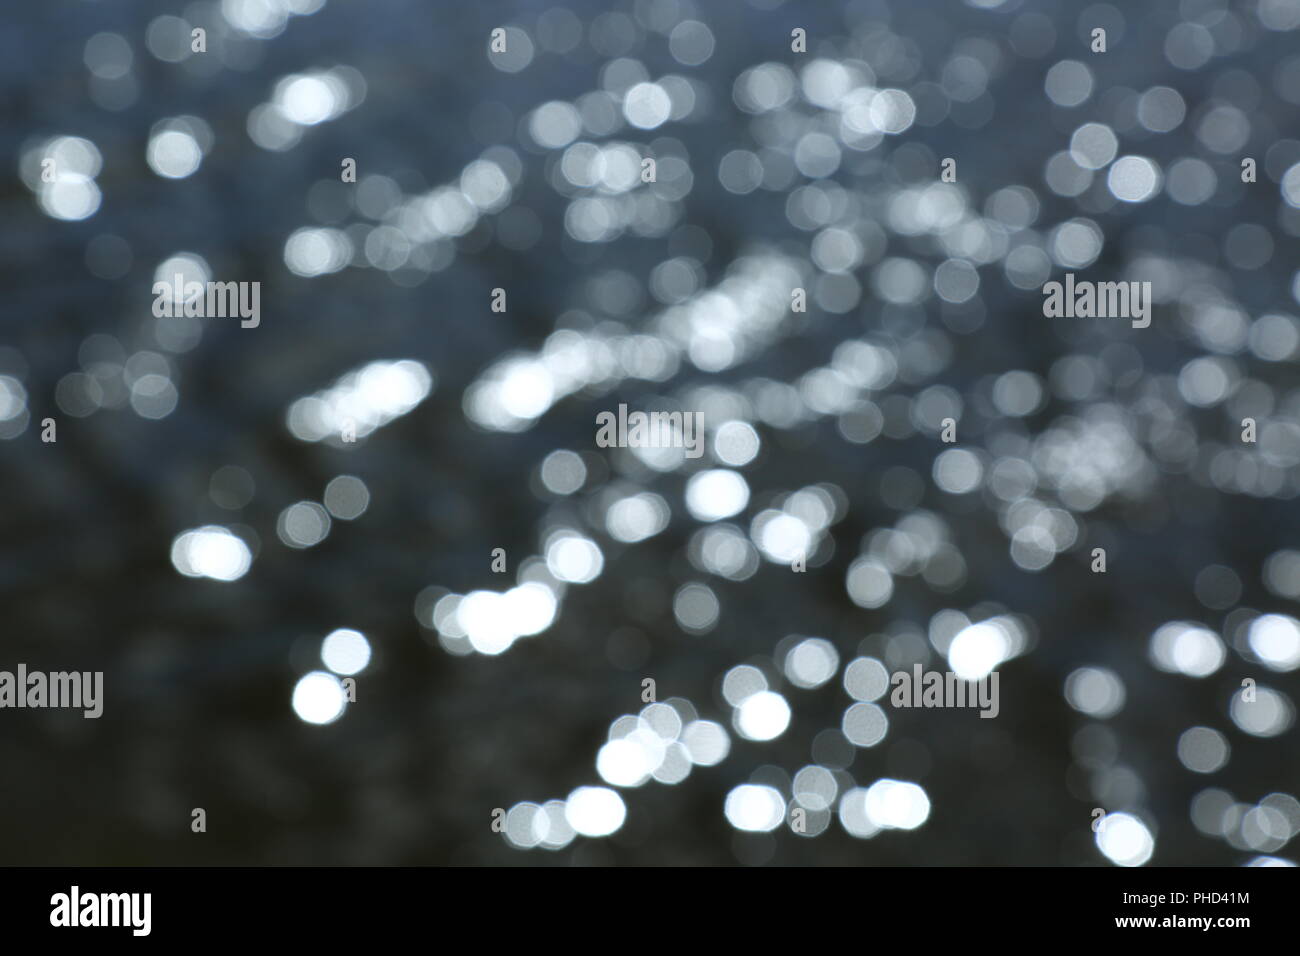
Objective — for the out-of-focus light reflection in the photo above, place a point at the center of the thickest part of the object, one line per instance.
(303, 525)
(563, 472)
(1124, 839)
(742, 682)
(1095, 691)
(1183, 648)
(762, 716)
(319, 698)
(896, 805)
(864, 724)
(1268, 714)
(346, 497)
(706, 741)
(176, 147)
(1275, 639)
(574, 558)
(70, 193)
(716, 494)
(361, 402)
(926, 262)
(754, 808)
(978, 650)
(211, 552)
(595, 811)
(345, 652)
(1203, 749)
(811, 663)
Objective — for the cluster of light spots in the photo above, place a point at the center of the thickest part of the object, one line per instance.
(609, 196)
(637, 517)
(757, 712)
(319, 698)
(529, 825)
(1181, 647)
(407, 236)
(1124, 839)
(918, 544)
(1087, 460)
(110, 379)
(815, 789)
(866, 113)
(715, 329)
(1084, 460)
(897, 804)
(148, 377)
(211, 552)
(886, 805)
(662, 743)
(361, 401)
(853, 814)
(513, 393)
(1265, 826)
(797, 525)
(177, 146)
(301, 100)
(263, 19)
(724, 550)
(978, 649)
(628, 97)
(936, 209)
(588, 811)
(490, 622)
(61, 172)
(317, 251)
